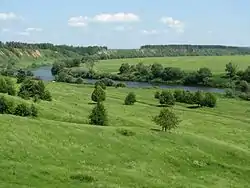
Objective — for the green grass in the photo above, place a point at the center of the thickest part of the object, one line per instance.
(215, 63)
(210, 148)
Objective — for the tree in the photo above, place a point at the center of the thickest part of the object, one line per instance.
(124, 68)
(246, 74)
(22, 110)
(11, 90)
(156, 70)
(98, 115)
(244, 86)
(3, 85)
(79, 81)
(172, 73)
(57, 67)
(209, 100)
(21, 75)
(98, 94)
(157, 95)
(231, 70)
(166, 119)
(167, 98)
(203, 75)
(130, 99)
(198, 98)
(6, 106)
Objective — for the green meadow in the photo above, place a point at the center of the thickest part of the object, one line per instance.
(210, 147)
(215, 63)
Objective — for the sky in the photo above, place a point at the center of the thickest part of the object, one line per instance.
(126, 24)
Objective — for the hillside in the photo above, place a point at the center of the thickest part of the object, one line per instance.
(210, 148)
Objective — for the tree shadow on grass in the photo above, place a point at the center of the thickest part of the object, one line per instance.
(156, 130)
(154, 105)
(91, 103)
(193, 107)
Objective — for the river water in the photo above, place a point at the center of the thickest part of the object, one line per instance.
(45, 74)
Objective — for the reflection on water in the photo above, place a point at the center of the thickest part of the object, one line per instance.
(45, 74)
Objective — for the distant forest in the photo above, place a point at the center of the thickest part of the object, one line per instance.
(102, 52)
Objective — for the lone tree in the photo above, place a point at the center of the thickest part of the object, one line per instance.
(130, 99)
(166, 119)
(98, 115)
(231, 70)
(98, 94)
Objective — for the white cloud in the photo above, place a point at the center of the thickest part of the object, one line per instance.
(177, 25)
(24, 33)
(78, 21)
(117, 17)
(8, 16)
(123, 28)
(150, 32)
(30, 29)
(83, 21)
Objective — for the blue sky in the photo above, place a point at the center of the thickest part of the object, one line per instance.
(126, 24)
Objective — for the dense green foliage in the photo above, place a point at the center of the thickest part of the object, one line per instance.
(98, 95)
(98, 115)
(31, 89)
(167, 98)
(130, 99)
(166, 119)
(7, 86)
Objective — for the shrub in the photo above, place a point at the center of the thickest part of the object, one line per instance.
(46, 96)
(98, 94)
(22, 110)
(245, 96)
(244, 86)
(3, 85)
(209, 100)
(157, 95)
(98, 115)
(188, 97)
(130, 99)
(108, 82)
(179, 95)
(125, 132)
(166, 119)
(101, 84)
(79, 81)
(33, 111)
(82, 178)
(198, 98)
(120, 85)
(230, 93)
(6, 106)
(167, 98)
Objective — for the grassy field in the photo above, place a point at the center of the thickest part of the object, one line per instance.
(210, 148)
(215, 63)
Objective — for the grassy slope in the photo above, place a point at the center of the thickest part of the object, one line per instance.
(211, 147)
(215, 63)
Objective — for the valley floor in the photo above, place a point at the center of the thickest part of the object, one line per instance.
(210, 148)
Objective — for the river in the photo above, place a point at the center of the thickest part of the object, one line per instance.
(45, 74)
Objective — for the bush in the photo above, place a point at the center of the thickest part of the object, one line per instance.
(108, 82)
(120, 85)
(101, 84)
(98, 115)
(157, 95)
(130, 99)
(166, 119)
(98, 94)
(82, 178)
(126, 132)
(245, 96)
(209, 100)
(6, 106)
(179, 95)
(22, 110)
(33, 111)
(244, 86)
(188, 97)
(230, 93)
(79, 81)
(167, 98)
(198, 97)
(46, 96)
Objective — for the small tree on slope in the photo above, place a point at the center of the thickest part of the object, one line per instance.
(98, 115)
(166, 119)
(98, 94)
